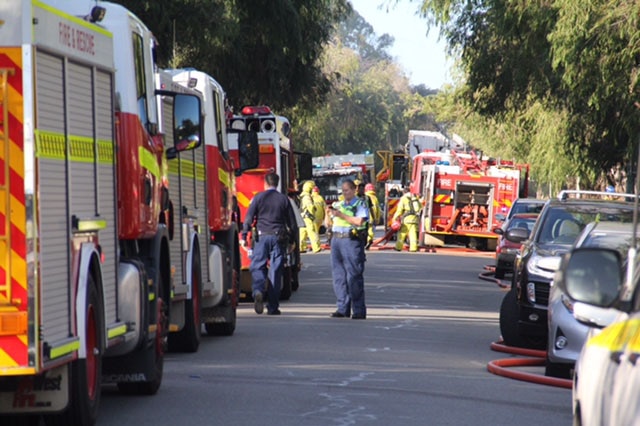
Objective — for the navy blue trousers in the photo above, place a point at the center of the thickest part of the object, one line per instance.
(267, 248)
(347, 264)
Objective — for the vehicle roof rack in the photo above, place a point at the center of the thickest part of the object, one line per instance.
(564, 194)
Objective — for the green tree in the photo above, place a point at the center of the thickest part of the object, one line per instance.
(261, 51)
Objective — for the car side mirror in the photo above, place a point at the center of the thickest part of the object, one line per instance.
(591, 275)
(517, 235)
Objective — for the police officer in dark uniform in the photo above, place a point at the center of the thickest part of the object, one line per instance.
(276, 226)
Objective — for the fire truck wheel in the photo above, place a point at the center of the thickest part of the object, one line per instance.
(286, 286)
(188, 339)
(222, 328)
(85, 374)
(159, 346)
(509, 320)
(18, 420)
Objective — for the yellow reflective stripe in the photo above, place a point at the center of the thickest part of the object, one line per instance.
(50, 145)
(615, 336)
(149, 161)
(75, 20)
(187, 169)
(53, 146)
(64, 349)
(91, 224)
(224, 177)
(117, 331)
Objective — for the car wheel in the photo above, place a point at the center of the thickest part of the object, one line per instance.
(509, 315)
(499, 274)
(554, 369)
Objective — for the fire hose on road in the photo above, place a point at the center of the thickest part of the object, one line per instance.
(533, 357)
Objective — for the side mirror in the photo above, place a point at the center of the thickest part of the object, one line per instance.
(591, 275)
(498, 230)
(249, 151)
(187, 123)
(517, 235)
(304, 166)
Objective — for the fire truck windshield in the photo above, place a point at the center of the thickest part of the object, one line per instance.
(331, 185)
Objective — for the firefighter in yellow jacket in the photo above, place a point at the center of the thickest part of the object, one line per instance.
(320, 205)
(408, 211)
(374, 211)
(308, 209)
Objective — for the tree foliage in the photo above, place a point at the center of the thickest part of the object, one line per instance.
(370, 106)
(261, 51)
(562, 74)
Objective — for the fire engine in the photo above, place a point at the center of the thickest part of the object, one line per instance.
(85, 276)
(206, 252)
(330, 171)
(276, 154)
(464, 196)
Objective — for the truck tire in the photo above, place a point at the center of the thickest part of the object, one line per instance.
(188, 339)
(228, 327)
(20, 420)
(222, 328)
(509, 315)
(152, 386)
(85, 378)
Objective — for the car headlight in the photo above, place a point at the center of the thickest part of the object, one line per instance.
(568, 303)
(544, 266)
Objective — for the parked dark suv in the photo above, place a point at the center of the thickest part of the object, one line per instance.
(523, 313)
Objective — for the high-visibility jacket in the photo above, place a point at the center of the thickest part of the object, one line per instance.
(409, 208)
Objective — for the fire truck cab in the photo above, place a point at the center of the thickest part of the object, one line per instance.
(276, 154)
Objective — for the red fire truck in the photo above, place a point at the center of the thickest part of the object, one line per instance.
(205, 251)
(329, 171)
(277, 155)
(464, 196)
(85, 273)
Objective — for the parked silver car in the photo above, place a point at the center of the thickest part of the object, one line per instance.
(566, 334)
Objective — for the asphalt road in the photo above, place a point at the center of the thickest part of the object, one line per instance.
(418, 359)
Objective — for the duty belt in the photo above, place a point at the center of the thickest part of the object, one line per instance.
(269, 233)
(341, 235)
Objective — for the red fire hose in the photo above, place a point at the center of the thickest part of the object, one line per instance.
(534, 357)
(501, 367)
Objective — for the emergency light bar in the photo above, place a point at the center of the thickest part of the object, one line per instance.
(256, 110)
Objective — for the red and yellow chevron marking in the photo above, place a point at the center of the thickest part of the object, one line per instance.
(442, 199)
(392, 206)
(13, 244)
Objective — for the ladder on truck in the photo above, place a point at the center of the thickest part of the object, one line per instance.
(5, 193)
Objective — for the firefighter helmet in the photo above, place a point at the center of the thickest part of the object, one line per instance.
(308, 186)
(369, 187)
(396, 225)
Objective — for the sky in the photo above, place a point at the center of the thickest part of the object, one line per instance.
(422, 57)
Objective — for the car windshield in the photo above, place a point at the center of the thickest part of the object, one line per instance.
(563, 224)
(520, 222)
(527, 207)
